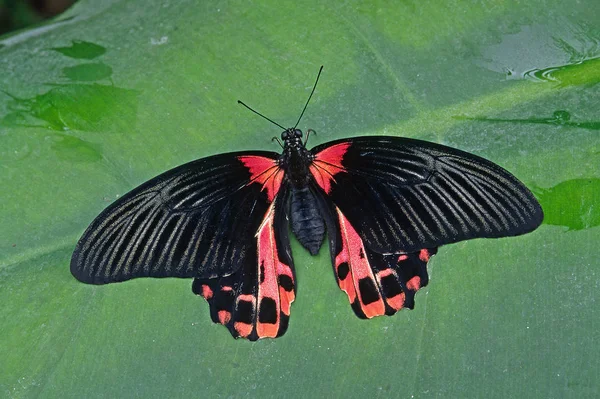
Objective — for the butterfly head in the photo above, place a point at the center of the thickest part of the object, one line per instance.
(291, 134)
(292, 138)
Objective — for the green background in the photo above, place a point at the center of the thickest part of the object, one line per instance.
(114, 92)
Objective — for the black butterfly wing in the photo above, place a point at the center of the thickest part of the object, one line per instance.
(390, 202)
(186, 222)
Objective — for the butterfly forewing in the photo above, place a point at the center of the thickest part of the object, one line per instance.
(183, 223)
(403, 195)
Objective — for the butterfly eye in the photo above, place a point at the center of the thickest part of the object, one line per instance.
(285, 135)
(297, 133)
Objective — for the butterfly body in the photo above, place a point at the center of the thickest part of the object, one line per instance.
(295, 159)
(305, 218)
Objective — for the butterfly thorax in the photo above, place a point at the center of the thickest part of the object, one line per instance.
(295, 159)
(306, 220)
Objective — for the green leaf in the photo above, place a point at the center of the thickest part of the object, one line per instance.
(114, 92)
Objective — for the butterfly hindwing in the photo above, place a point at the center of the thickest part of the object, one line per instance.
(254, 302)
(376, 284)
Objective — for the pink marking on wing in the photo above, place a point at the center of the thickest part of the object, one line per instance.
(267, 256)
(327, 164)
(246, 297)
(226, 288)
(269, 273)
(244, 329)
(267, 329)
(267, 259)
(414, 283)
(333, 155)
(424, 255)
(265, 171)
(359, 266)
(397, 301)
(207, 293)
(346, 284)
(287, 297)
(322, 178)
(224, 316)
(385, 273)
(402, 257)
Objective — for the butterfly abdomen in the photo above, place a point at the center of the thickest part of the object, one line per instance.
(307, 223)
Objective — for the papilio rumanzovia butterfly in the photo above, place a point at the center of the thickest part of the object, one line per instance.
(386, 203)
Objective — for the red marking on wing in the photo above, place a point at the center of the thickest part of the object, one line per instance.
(287, 297)
(270, 271)
(353, 255)
(327, 164)
(244, 329)
(396, 302)
(414, 283)
(246, 297)
(224, 316)
(207, 292)
(265, 171)
(385, 273)
(424, 255)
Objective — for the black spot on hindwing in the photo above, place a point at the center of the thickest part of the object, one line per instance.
(286, 283)
(244, 311)
(368, 291)
(343, 270)
(268, 311)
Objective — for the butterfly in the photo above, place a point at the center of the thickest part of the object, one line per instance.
(386, 204)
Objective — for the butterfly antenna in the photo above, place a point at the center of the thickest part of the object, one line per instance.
(259, 114)
(309, 97)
